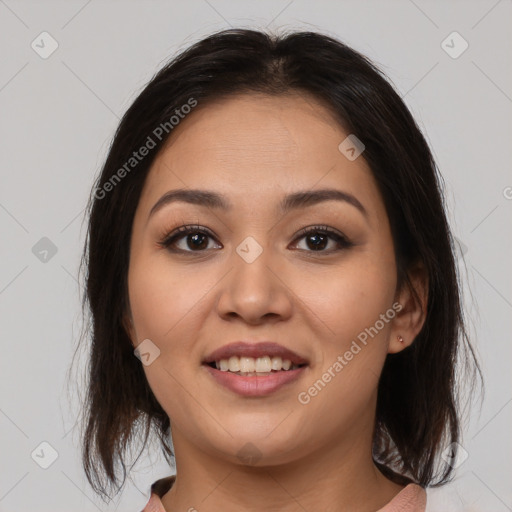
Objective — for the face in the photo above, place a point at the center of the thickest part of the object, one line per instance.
(249, 273)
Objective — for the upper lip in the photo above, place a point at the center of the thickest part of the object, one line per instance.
(261, 349)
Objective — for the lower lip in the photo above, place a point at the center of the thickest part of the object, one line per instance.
(255, 386)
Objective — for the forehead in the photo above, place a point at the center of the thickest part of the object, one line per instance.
(258, 147)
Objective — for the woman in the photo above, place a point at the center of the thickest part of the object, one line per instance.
(268, 237)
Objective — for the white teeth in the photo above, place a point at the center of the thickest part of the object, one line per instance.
(250, 365)
(263, 364)
(277, 363)
(234, 364)
(247, 364)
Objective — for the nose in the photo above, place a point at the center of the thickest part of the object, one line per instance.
(254, 291)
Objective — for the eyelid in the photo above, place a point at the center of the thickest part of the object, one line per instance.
(168, 237)
(321, 229)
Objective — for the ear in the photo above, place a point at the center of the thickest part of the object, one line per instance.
(409, 320)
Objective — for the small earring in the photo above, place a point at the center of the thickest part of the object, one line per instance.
(400, 339)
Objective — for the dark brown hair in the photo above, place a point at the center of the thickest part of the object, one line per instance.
(417, 414)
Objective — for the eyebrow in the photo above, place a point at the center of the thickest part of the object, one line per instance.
(296, 200)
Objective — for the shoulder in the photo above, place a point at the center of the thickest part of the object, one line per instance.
(412, 498)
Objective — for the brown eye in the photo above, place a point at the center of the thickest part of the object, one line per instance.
(318, 237)
(195, 239)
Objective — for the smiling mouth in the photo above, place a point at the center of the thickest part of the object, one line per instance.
(254, 366)
(254, 377)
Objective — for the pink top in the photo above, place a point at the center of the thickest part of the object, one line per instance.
(412, 498)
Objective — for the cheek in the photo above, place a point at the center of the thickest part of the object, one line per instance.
(356, 305)
(343, 383)
(165, 304)
(163, 297)
(349, 298)
(168, 306)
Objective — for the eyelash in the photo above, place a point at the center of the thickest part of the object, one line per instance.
(169, 239)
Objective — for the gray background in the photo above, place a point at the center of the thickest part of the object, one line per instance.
(57, 118)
